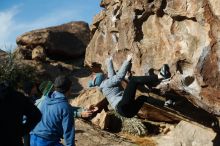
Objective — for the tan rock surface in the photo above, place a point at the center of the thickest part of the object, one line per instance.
(88, 97)
(65, 41)
(188, 135)
(184, 34)
(38, 53)
(87, 135)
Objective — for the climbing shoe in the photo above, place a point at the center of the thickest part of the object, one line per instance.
(165, 71)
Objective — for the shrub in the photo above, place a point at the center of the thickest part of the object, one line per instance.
(132, 126)
(14, 72)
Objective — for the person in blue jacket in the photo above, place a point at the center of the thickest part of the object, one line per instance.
(31, 90)
(57, 118)
(46, 87)
(123, 101)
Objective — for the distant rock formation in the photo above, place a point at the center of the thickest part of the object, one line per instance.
(3, 54)
(1, 51)
(65, 41)
(184, 34)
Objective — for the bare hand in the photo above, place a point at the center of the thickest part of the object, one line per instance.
(86, 114)
(89, 112)
(93, 108)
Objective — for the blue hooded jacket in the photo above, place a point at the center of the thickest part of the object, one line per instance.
(57, 119)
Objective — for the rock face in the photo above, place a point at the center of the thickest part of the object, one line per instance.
(94, 97)
(87, 135)
(67, 40)
(193, 136)
(88, 97)
(184, 34)
(38, 53)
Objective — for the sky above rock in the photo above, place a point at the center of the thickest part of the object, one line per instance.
(20, 16)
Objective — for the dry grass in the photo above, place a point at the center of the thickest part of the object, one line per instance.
(140, 141)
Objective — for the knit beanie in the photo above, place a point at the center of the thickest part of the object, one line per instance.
(99, 77)
(62, 84)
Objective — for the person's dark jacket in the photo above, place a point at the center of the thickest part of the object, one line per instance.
(13, 106)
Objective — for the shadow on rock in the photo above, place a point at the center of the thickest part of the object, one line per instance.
(79, 131)
(216, 141)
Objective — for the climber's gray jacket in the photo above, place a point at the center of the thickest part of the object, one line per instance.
(110, 87)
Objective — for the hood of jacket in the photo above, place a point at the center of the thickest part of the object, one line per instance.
(55, 97)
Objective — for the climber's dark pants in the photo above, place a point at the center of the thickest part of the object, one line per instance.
(129, 106)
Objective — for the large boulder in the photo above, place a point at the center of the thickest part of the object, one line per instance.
(184, 34)
(65, 41)
(88, 135)
(193, 136)
(91, 96)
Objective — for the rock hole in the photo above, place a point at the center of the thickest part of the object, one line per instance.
(150, 1)
(188, 80)
(182, 18)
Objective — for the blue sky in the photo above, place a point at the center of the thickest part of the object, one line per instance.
(20, 16)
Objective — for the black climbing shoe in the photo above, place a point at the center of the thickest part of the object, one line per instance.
(165, 71)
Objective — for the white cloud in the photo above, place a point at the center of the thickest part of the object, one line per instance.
(51, 19)
(7, 24)
(10, 28)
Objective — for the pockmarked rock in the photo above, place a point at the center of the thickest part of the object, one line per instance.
(183, 34)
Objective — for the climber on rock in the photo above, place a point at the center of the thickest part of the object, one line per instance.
(123, 101)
